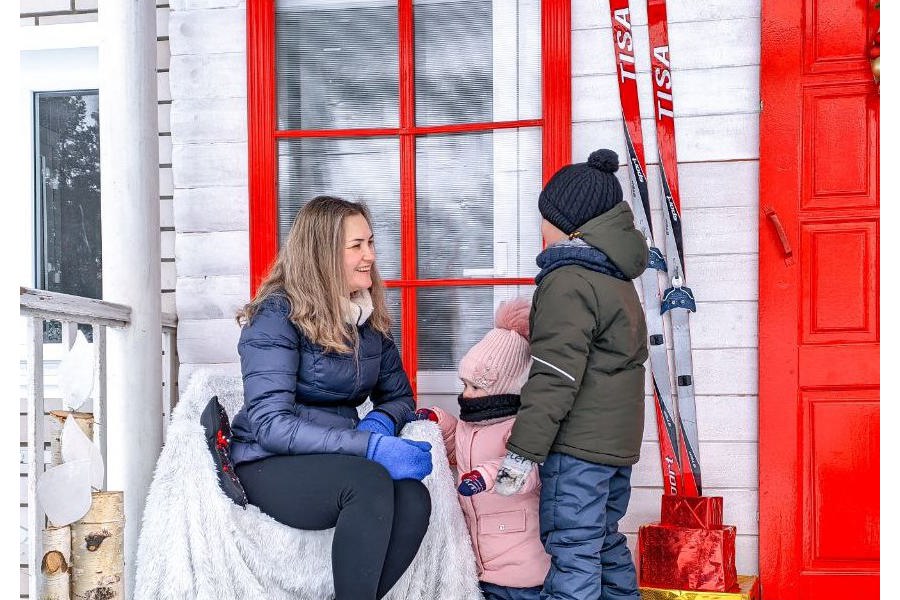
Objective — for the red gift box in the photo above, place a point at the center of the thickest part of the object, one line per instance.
(702, 512)
(687, 558)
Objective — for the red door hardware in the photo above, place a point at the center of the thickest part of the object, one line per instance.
(782, 235)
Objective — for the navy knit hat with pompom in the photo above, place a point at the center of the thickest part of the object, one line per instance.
(578, 193)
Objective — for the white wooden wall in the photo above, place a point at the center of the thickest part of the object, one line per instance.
(715, 57)
(207, 78)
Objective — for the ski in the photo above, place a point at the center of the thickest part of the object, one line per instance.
(664, 401)
(678, 300)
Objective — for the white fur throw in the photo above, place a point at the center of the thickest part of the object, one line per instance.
(196, 544)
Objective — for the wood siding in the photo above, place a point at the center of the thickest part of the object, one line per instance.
(715, 58)
(209, 164)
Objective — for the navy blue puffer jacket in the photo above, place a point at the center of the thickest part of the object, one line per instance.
(298, 399)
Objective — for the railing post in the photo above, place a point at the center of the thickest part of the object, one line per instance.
(35, 432)
(100, 406)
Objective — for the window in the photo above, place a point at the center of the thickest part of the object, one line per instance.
(444, 116)
(68, 192)
(67, 196)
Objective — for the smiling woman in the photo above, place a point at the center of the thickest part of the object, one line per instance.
(315, 344)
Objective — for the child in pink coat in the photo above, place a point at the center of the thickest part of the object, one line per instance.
(505, 530)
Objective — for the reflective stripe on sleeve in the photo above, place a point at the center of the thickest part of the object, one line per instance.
(554, 367)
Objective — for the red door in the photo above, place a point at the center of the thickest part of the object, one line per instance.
(818, 303)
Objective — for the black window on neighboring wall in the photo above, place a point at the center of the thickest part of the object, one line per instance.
(67, 194)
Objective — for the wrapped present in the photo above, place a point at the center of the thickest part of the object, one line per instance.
(748, 589)
(687, 558)
(703, 512)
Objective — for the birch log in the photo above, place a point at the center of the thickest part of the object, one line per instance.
(56, 562)
(84, 420)
(98, 550)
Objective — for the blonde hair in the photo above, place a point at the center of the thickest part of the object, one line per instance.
(309, 270)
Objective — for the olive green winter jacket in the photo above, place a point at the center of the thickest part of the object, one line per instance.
(585, 391)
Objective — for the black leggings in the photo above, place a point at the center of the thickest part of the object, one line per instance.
(379, 523)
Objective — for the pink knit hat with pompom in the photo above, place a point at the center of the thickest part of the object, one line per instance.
(499, 363)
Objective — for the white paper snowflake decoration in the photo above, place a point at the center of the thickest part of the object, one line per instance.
(76, 373)
(65, 492)
(77, 446)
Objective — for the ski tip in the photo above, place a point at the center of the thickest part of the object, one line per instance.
(605, 160)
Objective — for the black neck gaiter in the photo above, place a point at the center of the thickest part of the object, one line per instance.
(473, 410)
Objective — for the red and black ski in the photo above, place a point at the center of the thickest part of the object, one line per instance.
(664, 401)
(678, 300)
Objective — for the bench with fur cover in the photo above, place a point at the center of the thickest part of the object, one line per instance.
(196, 544)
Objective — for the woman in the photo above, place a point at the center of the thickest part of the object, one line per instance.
(315, 344)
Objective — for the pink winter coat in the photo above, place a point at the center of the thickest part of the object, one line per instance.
(505, 530)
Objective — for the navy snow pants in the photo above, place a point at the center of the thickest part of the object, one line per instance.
(498, 592)
(581, 505)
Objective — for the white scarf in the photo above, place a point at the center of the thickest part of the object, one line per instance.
(358, 308)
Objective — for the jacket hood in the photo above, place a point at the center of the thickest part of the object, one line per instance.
(614, 234)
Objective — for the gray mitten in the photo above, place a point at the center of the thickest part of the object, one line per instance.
(512, 474)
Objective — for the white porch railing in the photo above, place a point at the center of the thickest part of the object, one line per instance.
(38, 306)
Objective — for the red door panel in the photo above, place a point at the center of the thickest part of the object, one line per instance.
(839, 279)
(840, 432)
(840, 365)
(818, 303)
(836, 587)
(832, 39)
(837, 135)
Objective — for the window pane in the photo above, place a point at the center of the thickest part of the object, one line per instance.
(476, 204)
(336, 64)
(453, 319)
(363, 170)
(477, 60)
(68, 193)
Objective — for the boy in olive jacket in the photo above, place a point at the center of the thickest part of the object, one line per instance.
(582, 411)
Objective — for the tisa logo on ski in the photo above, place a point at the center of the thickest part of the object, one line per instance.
(625, 43)
(662, 83)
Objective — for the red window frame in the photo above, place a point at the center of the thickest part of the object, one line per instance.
(263, 136)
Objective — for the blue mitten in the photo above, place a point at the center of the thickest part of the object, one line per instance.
(403, 459)
(377, 422)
